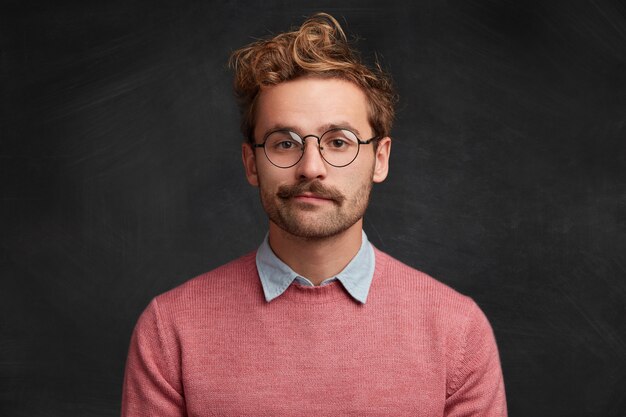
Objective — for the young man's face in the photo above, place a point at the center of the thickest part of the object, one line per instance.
(314, 199)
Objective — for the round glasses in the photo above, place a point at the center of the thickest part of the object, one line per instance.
(338, 147)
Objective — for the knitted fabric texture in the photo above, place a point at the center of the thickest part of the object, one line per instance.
(215, 347)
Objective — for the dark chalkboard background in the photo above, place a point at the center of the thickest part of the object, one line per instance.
(120, 178)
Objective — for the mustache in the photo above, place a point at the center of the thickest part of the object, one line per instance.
(314, 187)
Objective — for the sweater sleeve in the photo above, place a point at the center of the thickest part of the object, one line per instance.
(476, 387)
(152, 385)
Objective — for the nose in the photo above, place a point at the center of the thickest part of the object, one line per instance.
(311, 164)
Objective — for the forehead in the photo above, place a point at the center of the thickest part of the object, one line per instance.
(310, 104)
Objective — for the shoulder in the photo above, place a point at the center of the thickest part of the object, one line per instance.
(238, 278)
(454, 322)
(418, 288)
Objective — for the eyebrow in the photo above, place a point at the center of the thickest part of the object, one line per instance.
(323, 128)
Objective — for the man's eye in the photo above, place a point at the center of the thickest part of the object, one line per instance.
(337, 143)
(286, 144)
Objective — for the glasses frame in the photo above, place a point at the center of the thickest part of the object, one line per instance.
(319, 144)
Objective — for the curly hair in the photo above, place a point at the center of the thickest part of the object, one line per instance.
(319, 48)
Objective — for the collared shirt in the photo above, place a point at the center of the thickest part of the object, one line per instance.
(276, 276)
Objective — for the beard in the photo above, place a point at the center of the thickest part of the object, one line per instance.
(311, 221)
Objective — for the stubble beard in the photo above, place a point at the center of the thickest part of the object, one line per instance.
(311, 222)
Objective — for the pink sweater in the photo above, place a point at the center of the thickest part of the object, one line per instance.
(215, 347)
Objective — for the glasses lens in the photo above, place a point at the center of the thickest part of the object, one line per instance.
(283, 148)
(339, 147)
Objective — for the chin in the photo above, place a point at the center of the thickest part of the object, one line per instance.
(314, 229)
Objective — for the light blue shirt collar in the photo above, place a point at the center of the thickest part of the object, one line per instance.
(356, 277)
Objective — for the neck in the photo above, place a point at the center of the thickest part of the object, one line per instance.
(316, 259)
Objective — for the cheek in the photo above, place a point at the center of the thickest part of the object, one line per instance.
(270, 177)
(361, 173)
(351, 186)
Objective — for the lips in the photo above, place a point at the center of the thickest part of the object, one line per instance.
(313, 196)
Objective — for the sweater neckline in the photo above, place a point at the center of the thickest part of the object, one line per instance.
(332, 291)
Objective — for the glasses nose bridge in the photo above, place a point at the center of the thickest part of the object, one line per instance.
(317, 147)
(318, 143)
(304, 138)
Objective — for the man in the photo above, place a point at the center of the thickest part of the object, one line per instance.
(316, 322)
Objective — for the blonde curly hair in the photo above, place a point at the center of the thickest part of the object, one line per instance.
(319, 48)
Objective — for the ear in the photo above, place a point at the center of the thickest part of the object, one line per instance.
(381, 166)
(249, 163)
